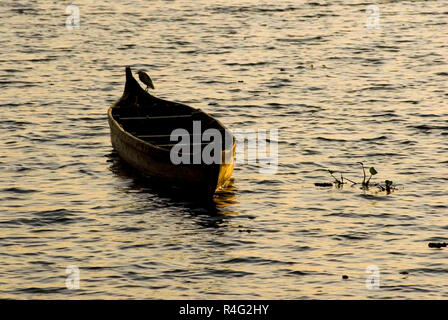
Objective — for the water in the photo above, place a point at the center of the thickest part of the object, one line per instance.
(337, 92)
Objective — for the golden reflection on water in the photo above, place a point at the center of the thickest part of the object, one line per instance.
(338, 94)
(222, 202)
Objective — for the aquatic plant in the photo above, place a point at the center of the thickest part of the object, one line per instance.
(388, 185)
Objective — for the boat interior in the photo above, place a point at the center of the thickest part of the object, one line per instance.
(155, 126)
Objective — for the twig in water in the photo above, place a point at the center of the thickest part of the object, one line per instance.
(364, 172)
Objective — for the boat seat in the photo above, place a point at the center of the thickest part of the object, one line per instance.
(182, 144)
(161, 136)
(154, 118)
(155, 136)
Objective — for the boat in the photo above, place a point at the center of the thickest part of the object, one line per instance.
(142, 127)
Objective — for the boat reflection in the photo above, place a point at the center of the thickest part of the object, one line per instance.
(220, 204)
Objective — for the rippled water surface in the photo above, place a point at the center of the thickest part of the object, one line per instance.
(337, 92)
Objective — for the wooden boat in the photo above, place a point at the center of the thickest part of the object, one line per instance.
(141, 126)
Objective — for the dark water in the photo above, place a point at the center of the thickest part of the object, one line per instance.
(337, 92)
